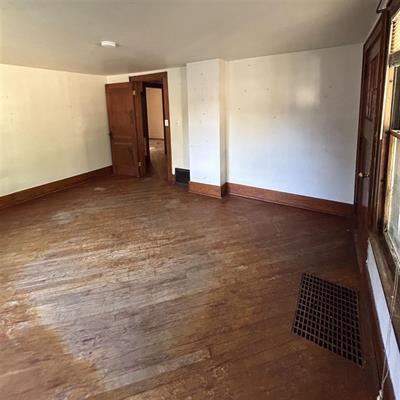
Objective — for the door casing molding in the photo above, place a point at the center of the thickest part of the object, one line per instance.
(161, 78)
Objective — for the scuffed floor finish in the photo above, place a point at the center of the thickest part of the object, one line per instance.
(127, 289)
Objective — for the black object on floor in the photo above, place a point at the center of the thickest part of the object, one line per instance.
(182, 175)
(327, 314)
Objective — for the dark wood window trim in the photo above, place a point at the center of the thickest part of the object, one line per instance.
(384, 258)
(394, 133)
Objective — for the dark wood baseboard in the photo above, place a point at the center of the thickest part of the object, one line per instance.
(39, 191)
(293, 200)
(224, 189)
(207, 190)
(272, 196)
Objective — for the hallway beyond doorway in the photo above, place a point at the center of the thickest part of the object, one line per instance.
(158, 159)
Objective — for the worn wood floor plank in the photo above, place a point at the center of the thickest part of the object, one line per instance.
(124, 289)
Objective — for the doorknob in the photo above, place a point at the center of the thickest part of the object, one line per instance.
(362, 175)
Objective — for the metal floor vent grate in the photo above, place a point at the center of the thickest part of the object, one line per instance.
(327, 314)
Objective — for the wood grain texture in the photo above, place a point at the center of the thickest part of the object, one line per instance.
(135, 289)
(38, 191)
(161, 78)
(158, 160)
(289, 199)
(125, 129)
(370, 191)
(207, 190)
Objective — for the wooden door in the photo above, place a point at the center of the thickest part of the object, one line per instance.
(145, 126)
(369, 131)
(125, 146)
(139, 124)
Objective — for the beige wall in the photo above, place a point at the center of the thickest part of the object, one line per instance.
(293, 122)
(207, 116)
(155, 118)
(53, 125)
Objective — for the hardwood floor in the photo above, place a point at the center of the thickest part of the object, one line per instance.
(133, 289)
(158, 159)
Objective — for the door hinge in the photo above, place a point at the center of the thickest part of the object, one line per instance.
(140, 163)
(134, 92)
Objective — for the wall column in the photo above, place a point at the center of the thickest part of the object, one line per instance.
(207, 127)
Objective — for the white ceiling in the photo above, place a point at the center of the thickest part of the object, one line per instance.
(153, 34)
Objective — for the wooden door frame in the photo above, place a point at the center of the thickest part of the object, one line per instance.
(381, 144)
(379, 32)
(155, 86)
(145, 124)
(377, 189)
(161, 78)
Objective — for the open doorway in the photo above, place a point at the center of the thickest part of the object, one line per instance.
(153, 89)
(156, 156)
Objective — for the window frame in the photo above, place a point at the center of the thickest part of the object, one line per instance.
(384, 256)
(380, 186)
(393, 135)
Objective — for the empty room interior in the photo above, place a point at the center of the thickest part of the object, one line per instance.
(199, 199)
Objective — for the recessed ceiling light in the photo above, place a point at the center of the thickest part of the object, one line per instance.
(108, 43)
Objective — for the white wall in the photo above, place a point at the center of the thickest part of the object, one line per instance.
(53, 125)
(206, 121)
(155, 117)
(385, 325)
(223, 121)
(292, 122)
(177, 92)
(178, 109)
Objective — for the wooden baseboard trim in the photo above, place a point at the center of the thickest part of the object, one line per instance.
(207, 190)
(293, 200)
(272, 196)
(224, 189)
(39, 191)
